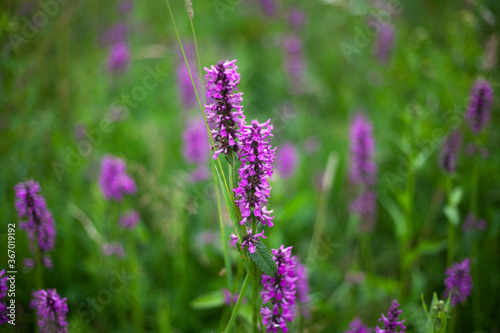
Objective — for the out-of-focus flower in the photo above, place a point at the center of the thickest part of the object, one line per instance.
(113, 180)
(125, 6)
(366, 206)
(119, 57)
(113, 249)
(269, 7)
(51, 311)
(257, 156)
(186, 90)
(451, 147)
(472, 149)
(294, 63)
(362, 167)
(391, 322)
(286, 160)
(231, 299)
(296, 18)
(280, 291)
(473, 223)
(130, 220)
(481, 101)
(458, 282)
(117, 33)
(357, 326)
(196, 144)
(226, 113)
(302, 286)
(37, 219)
(384, 42)
(312, 144)
(354, 278)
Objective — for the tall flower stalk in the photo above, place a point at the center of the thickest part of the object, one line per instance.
(37, 221)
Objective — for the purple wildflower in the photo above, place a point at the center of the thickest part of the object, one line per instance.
(391, 322)
(249, 241)
(115, 34)
(233, 239)
(269, 7)
(280, 290)
(286, 160)
(384, 42)
(481, 101)
(294, 63)
(450, 150)
(296, 18)
(363, 168)
(357, 326)
(113, 180)
(257, 156)
(38, 221)
(366, 206)
(113, 249)
(458, 282)
(51, 311)
(222, 86)
(195, 142)
(119, 57)
(472, 223)
(130, 220)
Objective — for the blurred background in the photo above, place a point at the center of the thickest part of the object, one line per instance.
(81, 80)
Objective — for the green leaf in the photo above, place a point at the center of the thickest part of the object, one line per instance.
(425, 247)
(264, 260)
(396, 214)
(456, 196)
(452, 214)
(424, 305)
(209, 300)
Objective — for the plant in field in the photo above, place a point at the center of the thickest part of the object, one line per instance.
(363, 171)
(481, 101)
(225, 113)
(279, 291)
(37, 219)
(458, 282)
(51, 311)
(356, 326)
(114, 180)
(450, 150)
(256, 155)
(286, 160)
(437, 317)
(391, 322)
(195, 148)
(384, 42)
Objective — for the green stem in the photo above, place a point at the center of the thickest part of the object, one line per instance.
(227, 262)
(230, 323)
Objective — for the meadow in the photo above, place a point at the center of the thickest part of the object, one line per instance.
(351, 181)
